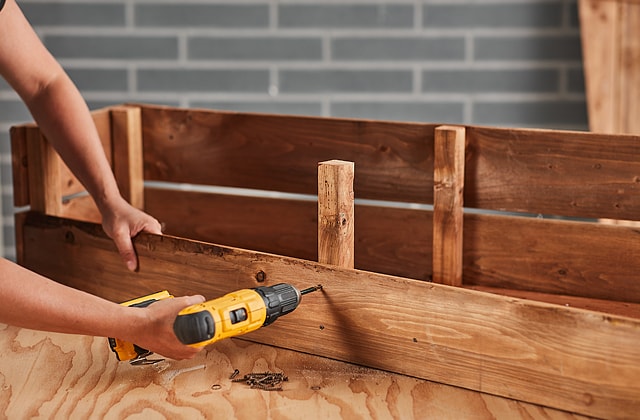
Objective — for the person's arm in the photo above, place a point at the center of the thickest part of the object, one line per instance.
(63, 116)
(33, 301)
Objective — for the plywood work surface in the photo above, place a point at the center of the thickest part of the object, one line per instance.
(45, 375)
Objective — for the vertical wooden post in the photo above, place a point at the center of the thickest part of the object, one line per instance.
(126, 127)
(45, 189)
(448, 188)
(335, 213)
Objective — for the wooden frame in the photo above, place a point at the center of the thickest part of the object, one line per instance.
(542, 310)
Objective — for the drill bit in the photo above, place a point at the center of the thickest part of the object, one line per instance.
(310, 289)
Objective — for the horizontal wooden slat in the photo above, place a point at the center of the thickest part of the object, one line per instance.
(571, 359)
(553, 173)
(394, 161)
(543, 255)
(392, 241)
(553, 256)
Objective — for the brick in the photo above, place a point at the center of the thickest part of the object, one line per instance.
(488, 81)
(575, 81)
(342, 81)
(254, 48)
(574, 15)
(74, 14)
(99, 79)
(528, 47)
(268, 107)
(113, 47)
(398, 48)
(548, 113)
(493, 15)
(196, 80)
(439, 112)
(333, 16)
(189, 15)
(14, 111)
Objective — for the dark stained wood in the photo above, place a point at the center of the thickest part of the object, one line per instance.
(281, 153)
(553, 173)
(553, 256)
(480, 341)
(388, 240)
(544, 255)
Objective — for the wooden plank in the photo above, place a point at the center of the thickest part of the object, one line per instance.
(533, 171)
(205, 147)
(553, 256)
(19, 165)
(544, 255)
(566, 358)
(336, 213)
(553, 173)
(69, 184)
(127, 153)
(389, 240)
(45, 193)
(617, 308)
(77, 377)
(611, 47)
(448, 189)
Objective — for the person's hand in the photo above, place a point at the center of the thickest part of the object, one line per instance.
(121, 222)
(156, 330)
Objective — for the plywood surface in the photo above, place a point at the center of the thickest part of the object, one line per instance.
(46, 375)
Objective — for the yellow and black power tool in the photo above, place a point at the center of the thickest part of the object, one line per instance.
(231, 315)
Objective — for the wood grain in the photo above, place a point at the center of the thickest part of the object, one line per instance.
(611, 51)
(448, 190)
(336, 213)
(45, 190)
(68, 184)
(281, 153)
(524, 253)
(572, 174)
(127, 153)
(567, 358)
(78, 377)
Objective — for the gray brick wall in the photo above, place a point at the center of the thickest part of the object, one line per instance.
(495, 62)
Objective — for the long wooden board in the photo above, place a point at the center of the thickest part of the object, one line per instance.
(562, 357)
(72, 377)
(544, 255)
(281, 153)
(532, 171)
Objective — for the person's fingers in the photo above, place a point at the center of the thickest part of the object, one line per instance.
(125, 248)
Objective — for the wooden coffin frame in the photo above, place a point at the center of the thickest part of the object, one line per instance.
(542, 310)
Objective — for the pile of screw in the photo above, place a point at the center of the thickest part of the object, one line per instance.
(266, 381)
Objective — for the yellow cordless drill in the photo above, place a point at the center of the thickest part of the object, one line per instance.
(231, 315)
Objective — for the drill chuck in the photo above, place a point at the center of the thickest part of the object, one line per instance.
(279, 300)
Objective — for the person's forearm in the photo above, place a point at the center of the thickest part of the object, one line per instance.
(49, 306)
(66, 121)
